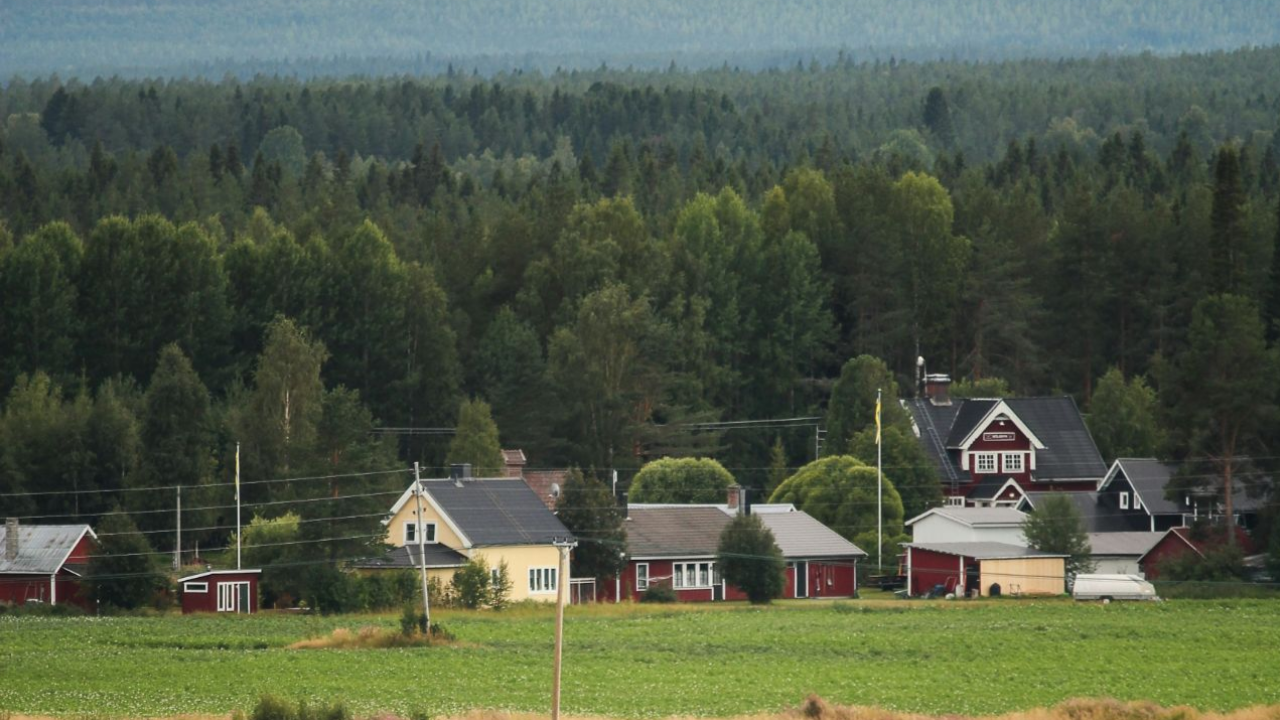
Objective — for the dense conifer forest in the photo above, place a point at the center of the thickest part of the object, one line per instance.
(610, 259)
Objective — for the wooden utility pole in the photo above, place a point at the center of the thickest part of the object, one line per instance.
(562, 579)
(422, 545)
(177, 546)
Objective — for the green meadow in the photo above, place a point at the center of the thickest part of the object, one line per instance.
(972, 658)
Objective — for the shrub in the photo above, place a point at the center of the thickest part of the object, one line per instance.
(271, 707)
(412, 620)
(659, 594)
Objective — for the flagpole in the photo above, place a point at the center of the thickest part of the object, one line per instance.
(879, 493)
(237, 506)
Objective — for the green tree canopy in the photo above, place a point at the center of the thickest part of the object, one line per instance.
(841, 493)
(1122, 418)
(913, 474)
(476, 440)
(749, 558)
(852, 407)
(1056, 527)
(681, 480)
(123, 572)
(590, 512)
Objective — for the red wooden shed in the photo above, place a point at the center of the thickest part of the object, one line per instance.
(233, 591)
(44, 563)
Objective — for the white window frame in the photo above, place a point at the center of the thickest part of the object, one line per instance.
(195, 587)
(229, 597)
(694, 575)
(642, 577)
(978, 461)
(495, 576)
(1137, 501)
(429, 528)
(1124, 501)
(542, 580)
(1012, 463)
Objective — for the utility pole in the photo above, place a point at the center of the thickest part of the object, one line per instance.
(177, 547)
(238, 533)
(564, 546)
(879, 493)
(422, 546)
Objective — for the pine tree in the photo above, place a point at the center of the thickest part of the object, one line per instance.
(476, 440)
(1227, 242)
(590, 512)
(748, 557)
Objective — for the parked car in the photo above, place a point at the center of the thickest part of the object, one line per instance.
(1112, 587)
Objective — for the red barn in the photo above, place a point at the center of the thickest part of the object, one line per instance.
(675, 546)
(233, 591)
(1177, 542)
(44, 563)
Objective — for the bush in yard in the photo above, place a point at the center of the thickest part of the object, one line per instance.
(474, 587)
(750, 559)
(659, 594)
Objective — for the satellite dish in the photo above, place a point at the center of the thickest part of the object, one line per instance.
(555, 489)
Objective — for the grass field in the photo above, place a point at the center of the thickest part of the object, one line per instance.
(976, 658)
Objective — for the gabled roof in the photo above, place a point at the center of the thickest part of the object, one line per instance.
(984, 550)
(407, 556)
(1149, 477)
(1123, 543)
(800, 535)
(975, 517)
(42, 549)
(496, 511)
(1069, 452)
(1097, 517)
(674, 532)
(1178, 535)
(992, 487)
(1000, 409)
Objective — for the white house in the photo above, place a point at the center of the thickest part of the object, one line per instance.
(955, 524)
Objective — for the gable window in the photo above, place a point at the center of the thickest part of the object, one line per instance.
(1124, 501)
(693, 575)
(1012, 462)
(642, 577)
(542, 580)
(411, 536)
(1137, 502)
(984, 462)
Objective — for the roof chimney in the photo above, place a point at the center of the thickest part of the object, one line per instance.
(937, 387)
(458, 472)
(735, 497)
(626, 506)
(11, 539)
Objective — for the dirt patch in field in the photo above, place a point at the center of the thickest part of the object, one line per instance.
(815, 708)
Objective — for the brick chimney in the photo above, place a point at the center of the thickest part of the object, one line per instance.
(738, 500)
(513, 463)
(11, 539)
(937, 387)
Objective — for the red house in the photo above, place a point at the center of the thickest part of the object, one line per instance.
(991, 452)
(44, 563)
(230, 591)
(675, 546)
(1177, 542)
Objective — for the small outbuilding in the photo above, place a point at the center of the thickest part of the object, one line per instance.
(44, 563)
(229, 591)
(983, 568)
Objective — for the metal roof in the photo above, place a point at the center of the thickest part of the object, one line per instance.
(985, 550)
(976, 517)
(438, 556)
(800, 535)
(41, 548)
(1123, 543)
(497, 511)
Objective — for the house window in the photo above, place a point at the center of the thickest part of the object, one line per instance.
(495, 577)
(195, 587)
(984, 462)
(1124, 501)
(694, 575)
(411, 537)
(642, 577)
(542, 580)
(1137, 502)
(1013, 462)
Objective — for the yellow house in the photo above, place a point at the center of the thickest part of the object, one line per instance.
(466, 518)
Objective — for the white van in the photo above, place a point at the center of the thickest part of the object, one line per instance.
(1113, 587)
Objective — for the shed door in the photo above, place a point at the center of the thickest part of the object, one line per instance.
(802, 579)
(227, 597)
(242, 598)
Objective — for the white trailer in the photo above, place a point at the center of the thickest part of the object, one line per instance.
(1112, 587)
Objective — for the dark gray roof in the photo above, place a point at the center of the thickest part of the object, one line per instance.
(438, 556)
(41, 548)
(1069, 451)
(674, 532)
(983, 550)
(497, 511)
(1097, 518)
(1123, 543)
(800, 535)
(988, 486)
(1149, 478)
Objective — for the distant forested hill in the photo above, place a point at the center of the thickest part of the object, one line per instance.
(87, 37)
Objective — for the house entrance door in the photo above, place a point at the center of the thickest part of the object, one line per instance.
(802, 579)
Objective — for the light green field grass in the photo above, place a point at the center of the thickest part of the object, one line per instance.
(977, 658)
